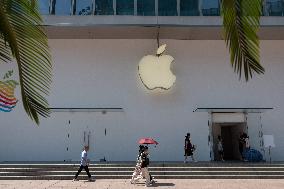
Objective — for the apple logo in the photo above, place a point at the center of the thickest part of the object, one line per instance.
(7, 97)
(155, 71)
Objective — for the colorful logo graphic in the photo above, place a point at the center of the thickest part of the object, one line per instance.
(7, 88)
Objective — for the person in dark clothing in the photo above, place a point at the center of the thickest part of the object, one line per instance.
(141, 149)
(188, 148)
(241, 144)
(144, 166)
(246, 146)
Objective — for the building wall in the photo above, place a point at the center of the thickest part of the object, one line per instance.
(103, 73)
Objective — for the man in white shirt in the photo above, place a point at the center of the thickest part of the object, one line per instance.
(84, 164)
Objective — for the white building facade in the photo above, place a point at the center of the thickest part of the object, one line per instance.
(97, 97)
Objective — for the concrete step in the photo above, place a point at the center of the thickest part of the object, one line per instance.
(131, 164)
(123, 173)
(201, 170)
(70, 177)
(114, 169)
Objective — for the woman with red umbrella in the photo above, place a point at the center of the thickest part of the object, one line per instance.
(141, 169)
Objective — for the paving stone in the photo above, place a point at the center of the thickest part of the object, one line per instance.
(162, 183)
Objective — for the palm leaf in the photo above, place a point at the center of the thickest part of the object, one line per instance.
(240, 24)
(21, 28)
(5, 53)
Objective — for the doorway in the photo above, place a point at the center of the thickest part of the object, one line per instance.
(229, 133)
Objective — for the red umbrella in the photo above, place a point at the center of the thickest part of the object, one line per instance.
(147, 141)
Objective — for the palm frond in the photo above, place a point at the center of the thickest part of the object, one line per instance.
(5, 53)
(240, 24)
(7, 37)
(22, 30)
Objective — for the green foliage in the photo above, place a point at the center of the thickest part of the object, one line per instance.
(22, 37)
(241, 23)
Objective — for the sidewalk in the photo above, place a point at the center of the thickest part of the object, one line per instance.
(124, 184)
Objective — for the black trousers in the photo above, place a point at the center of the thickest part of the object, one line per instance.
(81, 168)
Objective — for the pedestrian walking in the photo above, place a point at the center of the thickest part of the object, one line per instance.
(84, 164)
(137, 173)
(189, 148)
(144, 166)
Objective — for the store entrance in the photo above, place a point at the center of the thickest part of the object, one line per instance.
(230, 122)
(230, 133)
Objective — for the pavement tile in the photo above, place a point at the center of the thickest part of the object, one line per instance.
(162, 183)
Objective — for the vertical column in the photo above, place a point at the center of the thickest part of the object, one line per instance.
(49, 3)
(93, 7)
(178, 7)
(200, 7)
(52, 6)
(135, 7)
(210, 136)
(219, 7)
(246, 123)
(73, 7)
(156, 7)
(261, 137)
(67, 156)
(264, 8)
(114, 7)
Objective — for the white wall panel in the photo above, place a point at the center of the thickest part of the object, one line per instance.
(103, 73)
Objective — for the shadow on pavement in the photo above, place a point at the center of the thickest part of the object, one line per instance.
(89, 181)
(162, 184)
(156, 184)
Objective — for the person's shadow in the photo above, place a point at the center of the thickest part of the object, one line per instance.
(157, 184)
